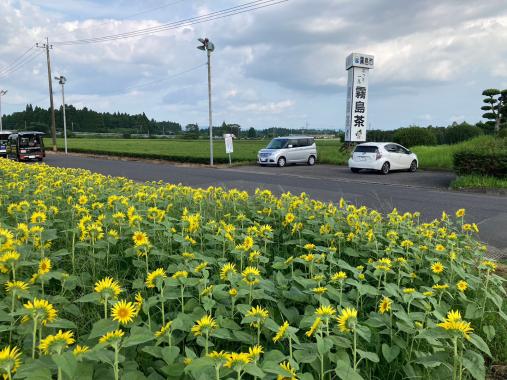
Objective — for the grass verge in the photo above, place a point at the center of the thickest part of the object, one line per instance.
(479, 182)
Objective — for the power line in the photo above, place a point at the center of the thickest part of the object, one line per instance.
(10, 70)
(16, 60)
(228, 12)
(148, 10)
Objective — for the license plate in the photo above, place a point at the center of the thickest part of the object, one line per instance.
(264, 159)
(361, 158)
(31, 156)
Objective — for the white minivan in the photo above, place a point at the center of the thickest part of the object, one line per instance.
(289, 150)
(382, 157)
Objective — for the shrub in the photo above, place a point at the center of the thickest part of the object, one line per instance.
(461, 132)
(489, 158)
(412, 136)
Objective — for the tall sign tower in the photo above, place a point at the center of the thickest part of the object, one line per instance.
(356, 121)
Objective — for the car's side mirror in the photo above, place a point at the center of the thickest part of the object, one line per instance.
(289, 146)
(409, 151)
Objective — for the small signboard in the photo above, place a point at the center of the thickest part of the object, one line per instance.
(228, 143)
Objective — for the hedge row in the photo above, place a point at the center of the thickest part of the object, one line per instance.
(489, 164)
(152, 156)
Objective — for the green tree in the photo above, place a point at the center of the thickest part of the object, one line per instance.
(496, 107)
(413, 136)
(251, 134)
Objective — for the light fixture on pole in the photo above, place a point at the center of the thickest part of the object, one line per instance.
(61, 79)
(208, 46)
(2, 93)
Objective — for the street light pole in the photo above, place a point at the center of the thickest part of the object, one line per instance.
(2, 92)
(208, 46)
(61, 79)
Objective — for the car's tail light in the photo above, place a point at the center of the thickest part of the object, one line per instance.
(23, 151)
(379, 156)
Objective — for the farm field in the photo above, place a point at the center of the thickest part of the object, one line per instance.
(191, 150)
(105, 278)
(430, 157)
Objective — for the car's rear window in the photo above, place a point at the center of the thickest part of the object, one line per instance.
(366, 149)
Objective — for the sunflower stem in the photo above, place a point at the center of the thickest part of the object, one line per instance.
(34, 336)
(116, 359)
(162, 303)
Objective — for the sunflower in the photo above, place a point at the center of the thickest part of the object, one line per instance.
(437, 267)
(123, 312)
(408, 290)
(56, 343)
(290, 373)
(385, 305)
(339, 276)
(325, 311)
(314, 327)
(79, 350)
(226, 269)
(108, 288)
(460, 213)
(204, 325)
(6, 239)
(164, 330)
(44, 266)
(280, 334)
(16, 286)
(454, 322)
(10, 360)
(237, 359)
(251, 275)
(10, 258)
(233, 292)
(38, 217)
(180, 274)
(41, 310)
(462, 286)
(439, 248)
(112, 337)
(140, 239)
(153, 276)
(200, 267)
(255, 352)
(347, 319)
(440, 286)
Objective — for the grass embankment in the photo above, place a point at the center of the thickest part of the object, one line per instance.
(479, 182)
(440, 156)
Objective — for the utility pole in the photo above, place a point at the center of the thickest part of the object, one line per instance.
(2, 93)
(61, 79)
(208, 46)
(47, 46)
(72, 126)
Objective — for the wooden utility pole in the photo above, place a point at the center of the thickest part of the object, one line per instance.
(47, 46)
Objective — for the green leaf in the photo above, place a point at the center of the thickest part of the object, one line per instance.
(101, 327)
(138, 335)
(371, 356)
(66, 362)
(489, 331)
(473, 311)
(474, 364)
(478, 342)
(254, 370)
(169, 354)
(91, 297)
(390, 352)
(346, 372)
(324, 345)
(304, 356)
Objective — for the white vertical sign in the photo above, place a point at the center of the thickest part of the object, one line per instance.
(356, 121)
(228, 143)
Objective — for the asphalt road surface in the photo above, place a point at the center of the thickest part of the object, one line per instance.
(422, 191)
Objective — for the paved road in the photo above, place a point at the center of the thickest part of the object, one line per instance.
(422, 191)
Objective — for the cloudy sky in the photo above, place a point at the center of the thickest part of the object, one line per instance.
(279, 66)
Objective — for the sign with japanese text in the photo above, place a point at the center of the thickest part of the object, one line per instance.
(356, 121)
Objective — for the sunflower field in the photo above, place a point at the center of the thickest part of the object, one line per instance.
(105, 278)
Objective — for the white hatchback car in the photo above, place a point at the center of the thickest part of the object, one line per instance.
(383, 157)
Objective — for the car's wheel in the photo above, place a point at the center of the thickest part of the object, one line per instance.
(354, 170)
(385, 168)
(281, 162)
(311, 160)
(413, 166)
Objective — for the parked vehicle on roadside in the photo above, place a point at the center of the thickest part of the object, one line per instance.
(26, 146)
(383, 157)
(289, 150)
(4, 138)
